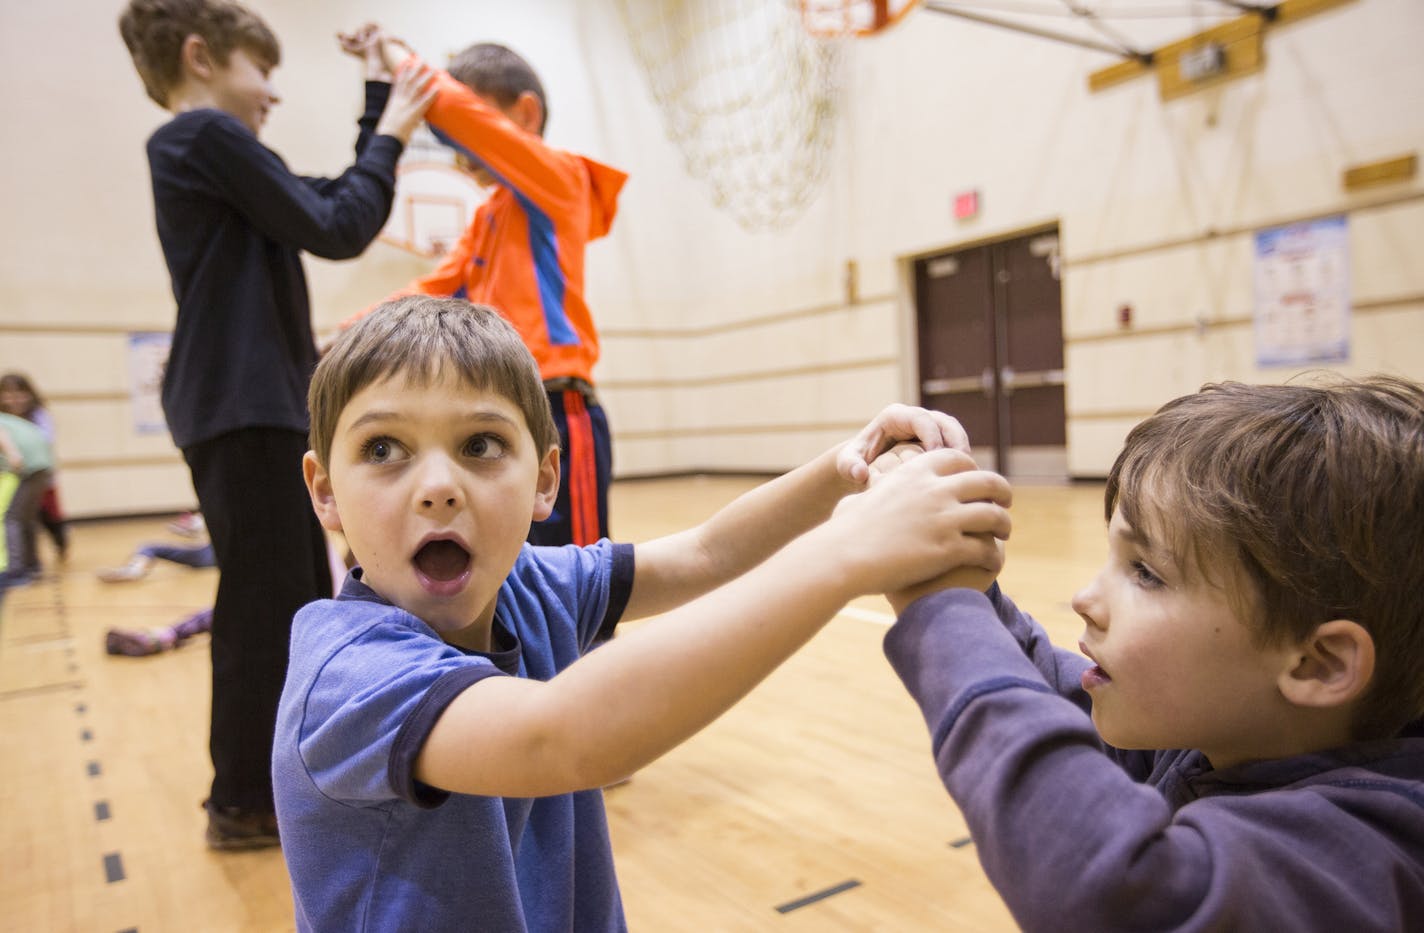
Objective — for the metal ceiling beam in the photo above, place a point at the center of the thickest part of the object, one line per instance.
(1123, 52)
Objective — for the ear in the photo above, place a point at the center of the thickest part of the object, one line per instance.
(319, 488)
(196, 57)
(1332, 667)
(527, 112)
(547, 490)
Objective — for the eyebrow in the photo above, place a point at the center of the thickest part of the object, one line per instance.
(1135, 536)
(378, 415)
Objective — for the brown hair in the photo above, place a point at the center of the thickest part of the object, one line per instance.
(21, 383)
(1313, 496)
(421, 337)
(154, 32)
(499, 72)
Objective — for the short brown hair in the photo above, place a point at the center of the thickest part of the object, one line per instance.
(155, 30)
(422, 337)
(499, 72)
(1313, 495)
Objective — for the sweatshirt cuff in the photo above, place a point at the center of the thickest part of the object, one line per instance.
(384, 151)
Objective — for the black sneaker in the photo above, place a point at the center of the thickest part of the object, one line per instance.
(232, 829)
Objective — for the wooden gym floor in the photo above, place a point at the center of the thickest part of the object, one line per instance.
(813, 805)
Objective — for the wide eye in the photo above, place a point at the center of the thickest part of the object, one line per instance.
(381, 450)
(485, 447)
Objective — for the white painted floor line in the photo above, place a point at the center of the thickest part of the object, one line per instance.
(867, 615)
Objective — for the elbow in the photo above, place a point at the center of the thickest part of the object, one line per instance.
(344, 246)
(586, 768)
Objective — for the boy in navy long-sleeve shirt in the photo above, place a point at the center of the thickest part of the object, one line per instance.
(233, 221)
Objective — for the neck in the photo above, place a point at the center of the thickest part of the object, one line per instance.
(478, 636)
(190, 96)
(1318, 731)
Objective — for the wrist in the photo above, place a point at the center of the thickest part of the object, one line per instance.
(400, 133)
(393, 55)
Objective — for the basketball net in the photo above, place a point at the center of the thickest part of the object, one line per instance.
(748, 96)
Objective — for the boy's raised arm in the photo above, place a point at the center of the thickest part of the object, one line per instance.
(679, 567)
(521, 160)
(623, 705)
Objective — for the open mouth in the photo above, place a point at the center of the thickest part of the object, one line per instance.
(442, 561)
(1094, 676)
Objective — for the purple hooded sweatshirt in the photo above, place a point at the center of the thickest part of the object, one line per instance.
(1076, 834)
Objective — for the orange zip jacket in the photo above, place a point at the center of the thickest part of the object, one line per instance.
(523, 252)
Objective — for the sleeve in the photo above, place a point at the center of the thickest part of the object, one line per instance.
(332, 218)
(620, 587)
(1060, 828)
(599, 578)
(372, 706)
(522, 161)
(42, 420)
(585, 587)
(378, 94)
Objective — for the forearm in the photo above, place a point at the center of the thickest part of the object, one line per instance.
(630, 701)
(1011, 752)
(378, 93)
(738, 537)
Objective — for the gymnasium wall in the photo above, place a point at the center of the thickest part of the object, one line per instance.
(1157, 201)
(727, 350)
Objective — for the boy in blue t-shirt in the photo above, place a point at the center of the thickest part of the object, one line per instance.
(445, 731)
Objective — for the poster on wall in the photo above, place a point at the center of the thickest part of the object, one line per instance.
(1303, 293)
(148, 354)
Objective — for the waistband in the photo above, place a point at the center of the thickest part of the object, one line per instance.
(572, 384)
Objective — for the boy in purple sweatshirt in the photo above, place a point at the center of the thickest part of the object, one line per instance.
(1239, 745)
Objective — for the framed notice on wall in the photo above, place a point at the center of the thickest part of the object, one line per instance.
(148, 354)
(1303, 293)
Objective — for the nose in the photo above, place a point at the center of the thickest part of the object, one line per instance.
(438, 488)
(1088, 605)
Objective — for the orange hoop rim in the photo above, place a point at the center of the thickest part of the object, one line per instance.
(814, 14)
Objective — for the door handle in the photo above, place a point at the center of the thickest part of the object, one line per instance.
(945, 386)
(1010, 379)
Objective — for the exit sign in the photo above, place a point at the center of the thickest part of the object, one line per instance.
(966, 205)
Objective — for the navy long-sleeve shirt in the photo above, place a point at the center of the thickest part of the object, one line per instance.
(1075, 834)
(233, 221)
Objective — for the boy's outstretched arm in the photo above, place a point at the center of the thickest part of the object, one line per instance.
(623, 705)
(674, 569)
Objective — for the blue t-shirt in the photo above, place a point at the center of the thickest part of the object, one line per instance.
(370, 848)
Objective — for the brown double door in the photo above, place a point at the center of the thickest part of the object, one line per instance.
(990, 326)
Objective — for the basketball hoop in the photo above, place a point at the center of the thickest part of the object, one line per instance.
(844, 19)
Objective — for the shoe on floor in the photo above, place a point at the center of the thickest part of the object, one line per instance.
(232, 829)
(188, 525)
(135, 569)
(135, 643)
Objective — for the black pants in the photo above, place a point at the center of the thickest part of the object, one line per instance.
(271, 556)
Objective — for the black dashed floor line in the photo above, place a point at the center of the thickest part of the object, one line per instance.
(817, 896)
